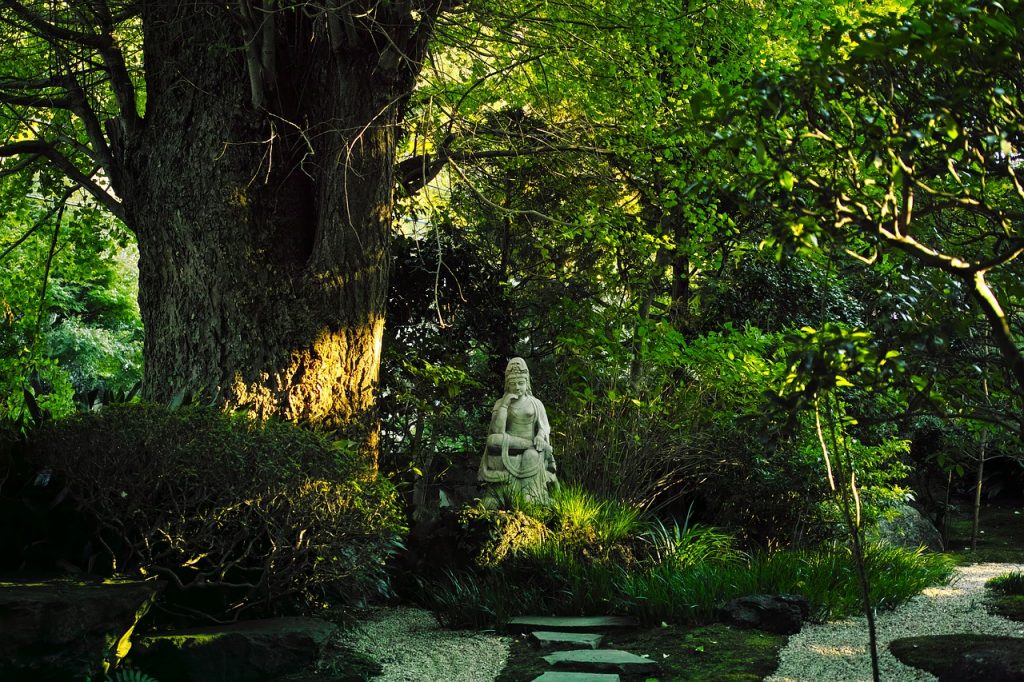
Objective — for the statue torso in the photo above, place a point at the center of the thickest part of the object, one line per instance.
(522, 417)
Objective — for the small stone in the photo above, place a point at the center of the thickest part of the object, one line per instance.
(576, 639)
(603, 660)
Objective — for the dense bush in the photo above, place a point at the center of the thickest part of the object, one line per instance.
(237, 516)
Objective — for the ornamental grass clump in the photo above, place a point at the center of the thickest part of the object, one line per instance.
(240, 518)
(1011, 583)
(826, 576)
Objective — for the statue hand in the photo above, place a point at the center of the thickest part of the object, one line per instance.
(507, 399)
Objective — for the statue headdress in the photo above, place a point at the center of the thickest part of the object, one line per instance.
(516, 369)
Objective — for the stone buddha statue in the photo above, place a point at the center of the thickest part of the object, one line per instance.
(518, 451)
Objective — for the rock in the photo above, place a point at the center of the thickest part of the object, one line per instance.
(782, 614)
(242, 652)
(563, 676)
(907, 527)
(64, 630)
(603, 660)
(568, 624)
(576, 640)
(964, 657)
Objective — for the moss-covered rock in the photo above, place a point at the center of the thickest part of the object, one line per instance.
(251, 651)
(491, 536)
(68, 630)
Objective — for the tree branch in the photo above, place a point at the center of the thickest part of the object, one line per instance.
(51, 32)
(75, 174)
(1001, 331)
(113, 60)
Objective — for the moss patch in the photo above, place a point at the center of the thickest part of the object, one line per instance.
(1002, 539)
(714, 653)
(1007, 605)
(963, 657)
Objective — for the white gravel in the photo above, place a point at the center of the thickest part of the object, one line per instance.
(412, 647)
(838, 651)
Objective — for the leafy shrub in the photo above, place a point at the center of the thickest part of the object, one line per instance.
(1007, 583)
(237, 516)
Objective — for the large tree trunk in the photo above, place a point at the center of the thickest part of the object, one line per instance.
(262, 209)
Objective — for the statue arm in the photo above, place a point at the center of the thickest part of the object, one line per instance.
(499, 417)
(543, 427)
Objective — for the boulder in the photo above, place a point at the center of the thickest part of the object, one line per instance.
(907, 527)
(782, 614)
(964, 657)
(68, 630)
(249, 651)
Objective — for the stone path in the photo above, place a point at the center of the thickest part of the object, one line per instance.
(590, 664)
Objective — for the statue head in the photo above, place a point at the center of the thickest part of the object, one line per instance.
(516, 372)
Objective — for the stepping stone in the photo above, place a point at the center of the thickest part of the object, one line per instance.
(575, 639)
(604, 660)
(561, 676)
(558, 624)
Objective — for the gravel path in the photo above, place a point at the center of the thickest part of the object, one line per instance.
(838, 651)
(412, 647)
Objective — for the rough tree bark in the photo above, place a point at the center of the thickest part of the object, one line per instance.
(258, 181)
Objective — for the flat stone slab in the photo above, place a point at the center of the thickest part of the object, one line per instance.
(603, 660)
(562, 676)
(568, 624)
(575, 639)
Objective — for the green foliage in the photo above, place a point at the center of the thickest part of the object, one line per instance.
(892, 146)
(238, 516)
(69, 321)
(1007, 583)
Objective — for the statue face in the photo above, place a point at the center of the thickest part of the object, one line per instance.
(517, 385)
